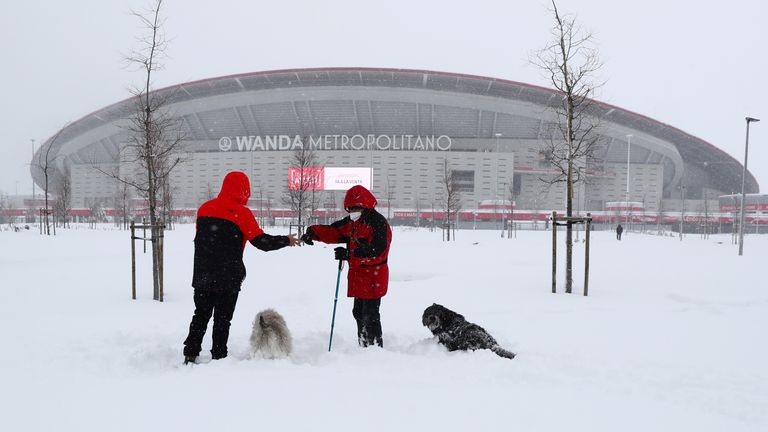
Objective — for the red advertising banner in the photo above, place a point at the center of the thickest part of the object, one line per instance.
(310, 178)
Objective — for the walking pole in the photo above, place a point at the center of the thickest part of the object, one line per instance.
(335, 299)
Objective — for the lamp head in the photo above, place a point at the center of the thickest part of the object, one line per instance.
(751, 119)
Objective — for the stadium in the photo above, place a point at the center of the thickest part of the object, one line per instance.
(396, 130)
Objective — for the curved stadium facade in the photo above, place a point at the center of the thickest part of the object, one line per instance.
(404, 125)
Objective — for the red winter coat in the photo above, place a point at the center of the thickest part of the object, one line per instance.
(367, 240)
(224, 225)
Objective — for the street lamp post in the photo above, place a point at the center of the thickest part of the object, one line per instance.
(496, 178)
(33, 161)
(682, 198)
(682, 209)
(504, 209)
(629, 148)
(734, 228)
(743, 182)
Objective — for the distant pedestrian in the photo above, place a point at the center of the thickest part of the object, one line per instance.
(619, 230)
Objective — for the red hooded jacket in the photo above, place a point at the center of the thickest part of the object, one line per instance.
(367, 240)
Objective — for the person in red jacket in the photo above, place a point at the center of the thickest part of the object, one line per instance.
(224, 226)
(367, 236)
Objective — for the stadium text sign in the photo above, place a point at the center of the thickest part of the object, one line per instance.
(335, 142)
(328, 178)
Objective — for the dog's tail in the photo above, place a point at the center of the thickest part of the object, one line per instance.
(501, 352)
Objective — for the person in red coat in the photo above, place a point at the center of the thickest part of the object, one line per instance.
(224, 226)
(367, 236)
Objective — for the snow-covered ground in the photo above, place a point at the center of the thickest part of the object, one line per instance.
(671, 338)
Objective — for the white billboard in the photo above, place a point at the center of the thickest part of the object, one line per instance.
(328, 178)
(343, 178)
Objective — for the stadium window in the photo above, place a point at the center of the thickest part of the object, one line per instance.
(465, 180)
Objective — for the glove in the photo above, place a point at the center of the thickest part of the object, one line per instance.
(307, 237)
(342, 253)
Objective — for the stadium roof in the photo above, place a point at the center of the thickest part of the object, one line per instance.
(328, 101)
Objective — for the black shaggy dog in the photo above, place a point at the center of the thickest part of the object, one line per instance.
(456, 333)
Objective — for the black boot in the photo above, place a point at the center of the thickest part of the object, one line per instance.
(189, 359)
(366, 313)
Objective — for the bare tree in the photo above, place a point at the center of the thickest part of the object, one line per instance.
(269, 220)
(390, 196)
(418, 211)
(260, 217)
(432, 219)
(659, 215)
(315, 199)
(121, 198)
(167, 191)
(450, 196)
(300, 189)
(5, 209)
(705, 234)
(45, 164)
(117, 205)
(64, 196)
(209, 193)
(96, 208)
(570, 62)
(155, 137)
(264, 204)
(511, 205)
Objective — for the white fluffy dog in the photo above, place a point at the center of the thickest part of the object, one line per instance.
(270, 337)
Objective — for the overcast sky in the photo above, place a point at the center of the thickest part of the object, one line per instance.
(698, 66)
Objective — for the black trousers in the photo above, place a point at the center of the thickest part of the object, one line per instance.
(366, 313)
(221, 305)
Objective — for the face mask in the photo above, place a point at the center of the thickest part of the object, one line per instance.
(355, 215)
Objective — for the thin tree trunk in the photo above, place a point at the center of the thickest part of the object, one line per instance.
(569, 203)
(152, 198)
(151, 164)
(570, 61)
